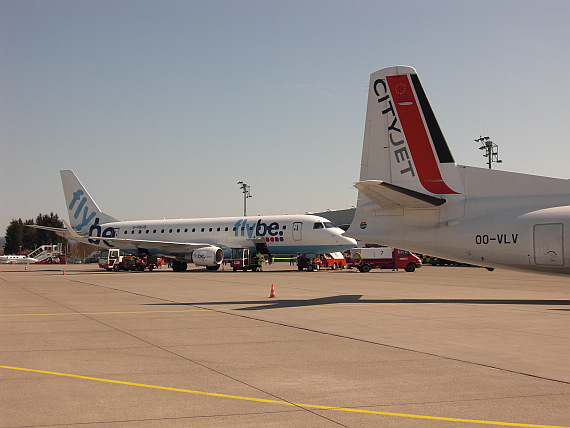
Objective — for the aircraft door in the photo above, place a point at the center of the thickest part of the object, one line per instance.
(548, 244)
(297, 231)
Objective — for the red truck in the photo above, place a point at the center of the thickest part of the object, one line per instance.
(365, 259)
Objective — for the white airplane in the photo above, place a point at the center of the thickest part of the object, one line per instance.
(203, 241)
(413, 195)
(9, 259)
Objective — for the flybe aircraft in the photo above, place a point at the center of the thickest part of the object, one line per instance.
(202, 241)
(413, 195)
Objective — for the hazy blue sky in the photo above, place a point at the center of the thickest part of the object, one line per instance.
(161, 107)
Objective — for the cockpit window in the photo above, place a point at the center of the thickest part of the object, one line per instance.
(318, 225)
(328, 224)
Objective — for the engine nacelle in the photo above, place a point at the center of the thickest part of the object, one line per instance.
(208, 256)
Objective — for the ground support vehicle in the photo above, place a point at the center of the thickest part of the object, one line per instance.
(309, 262)
(243, 259)
(115, 260)
(333, 261)
(365, 259)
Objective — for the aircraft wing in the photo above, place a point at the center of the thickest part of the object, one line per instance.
(61, 231)
(388, 195)
(166, 246)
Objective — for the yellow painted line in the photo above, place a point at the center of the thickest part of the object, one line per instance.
(103, 313)
(285, 403)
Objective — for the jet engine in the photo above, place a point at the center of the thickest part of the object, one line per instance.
(208, 256)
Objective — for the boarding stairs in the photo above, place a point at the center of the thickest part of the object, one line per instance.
(45, 253)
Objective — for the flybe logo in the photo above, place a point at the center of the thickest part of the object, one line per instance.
(85, 217)
(271, 232)
(397, 139)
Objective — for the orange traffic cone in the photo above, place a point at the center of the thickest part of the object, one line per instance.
(26, 267)
(272, 294)
(64, 271)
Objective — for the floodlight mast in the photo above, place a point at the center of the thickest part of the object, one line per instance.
(491, 150)
(245, 190)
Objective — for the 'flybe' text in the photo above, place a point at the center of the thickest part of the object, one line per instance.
(400, 147)
(83, 210)
(257, 229)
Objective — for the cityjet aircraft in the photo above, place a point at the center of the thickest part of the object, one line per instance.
(203, 241)
(9, 259)
(413, 195)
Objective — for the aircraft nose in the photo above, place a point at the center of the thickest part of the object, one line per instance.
(346, 241)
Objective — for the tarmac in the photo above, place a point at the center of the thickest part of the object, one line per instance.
(439, 347)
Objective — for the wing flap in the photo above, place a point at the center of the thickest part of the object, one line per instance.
(388, 196)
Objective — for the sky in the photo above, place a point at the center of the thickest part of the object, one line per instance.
(161, 107)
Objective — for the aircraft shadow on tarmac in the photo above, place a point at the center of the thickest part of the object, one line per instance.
(357, 298)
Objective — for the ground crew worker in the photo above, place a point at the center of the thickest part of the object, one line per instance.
(259, 258)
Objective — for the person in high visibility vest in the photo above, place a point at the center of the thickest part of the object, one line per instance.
(259, 258)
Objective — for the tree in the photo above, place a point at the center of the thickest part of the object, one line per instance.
(14, 237)
(44, 237)
(20, 238)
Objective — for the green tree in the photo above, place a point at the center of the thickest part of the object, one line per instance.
(44, 237)
(14, 237)
(27, 239)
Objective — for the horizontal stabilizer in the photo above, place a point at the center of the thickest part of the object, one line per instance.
(387, 195)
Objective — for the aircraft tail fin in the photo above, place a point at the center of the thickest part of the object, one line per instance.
(82, 209)
(403, 144)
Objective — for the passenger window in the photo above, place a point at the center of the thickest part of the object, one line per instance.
(162, 231)
(177, 230)
(210, 229)
(185, 230)
(193, 229)
(132, 232)
(148, 230)
(218, 229)
(226, 229)
(140, 231)
(125, 232)
(202, 229)
(170, 231)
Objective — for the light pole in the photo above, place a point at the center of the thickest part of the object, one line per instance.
(245, 190)
(491, 150)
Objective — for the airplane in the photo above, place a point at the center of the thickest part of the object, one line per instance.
(12, 259)
(202, 241)
(413, 195)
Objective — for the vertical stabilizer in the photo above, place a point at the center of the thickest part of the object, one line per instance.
(82, 210)
(403, 144)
